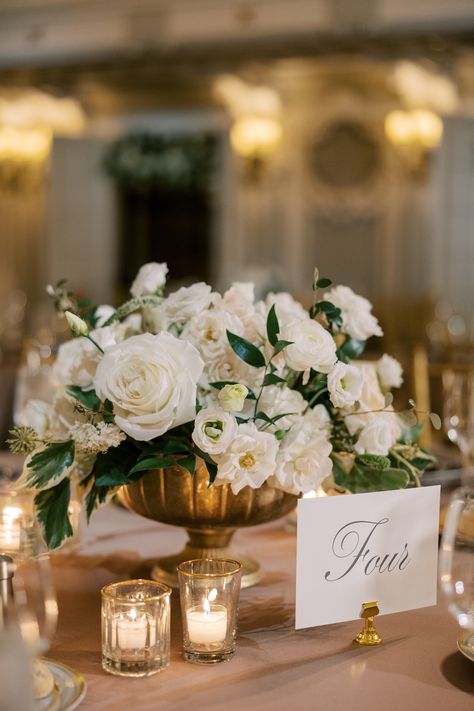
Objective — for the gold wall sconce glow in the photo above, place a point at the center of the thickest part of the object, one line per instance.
(255, 136)
(415, 133)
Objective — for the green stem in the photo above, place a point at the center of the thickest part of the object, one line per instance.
(95, 344)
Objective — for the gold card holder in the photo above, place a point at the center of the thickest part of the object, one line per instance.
(368, 636)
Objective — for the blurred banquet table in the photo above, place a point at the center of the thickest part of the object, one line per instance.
(275, 667)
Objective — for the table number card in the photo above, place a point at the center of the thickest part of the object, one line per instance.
(353, 549)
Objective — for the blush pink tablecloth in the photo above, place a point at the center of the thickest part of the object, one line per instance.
(417, 667)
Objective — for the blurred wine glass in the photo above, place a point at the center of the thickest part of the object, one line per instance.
(456, 564)
(458, 416)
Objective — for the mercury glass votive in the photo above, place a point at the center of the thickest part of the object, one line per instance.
(209, 591)
(135, 627)
(17, 523)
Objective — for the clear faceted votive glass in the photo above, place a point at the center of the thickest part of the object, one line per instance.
(135, 627)
(209, 591)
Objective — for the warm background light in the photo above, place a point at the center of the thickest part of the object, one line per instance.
(253, 136)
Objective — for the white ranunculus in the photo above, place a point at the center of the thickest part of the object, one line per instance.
(280, 400)
(379, 434)
(207, 331)
(358, 320)
(36, 414)
(150, 279)
(151, 382)
(188, 301)
(390, 372)
(344, 385)
(232, 397)
(77, 359)
(303, 459)
(312, 346)
(249, 460)
(286, 307)
(214, 430)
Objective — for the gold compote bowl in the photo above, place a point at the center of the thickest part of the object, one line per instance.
(210, 514)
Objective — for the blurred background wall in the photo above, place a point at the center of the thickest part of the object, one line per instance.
(240, 140)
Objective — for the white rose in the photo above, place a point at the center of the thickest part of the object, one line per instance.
(214, 430)
(357, 318)
(302, 462)
(188, 301)
(228, 366)
(151, 381)
(317, 419)
(151, 278)
(208, 332)
(249, 460)
(102, 314)
(232, 397)
(378, 435)
(286, 307)
(36, 414)
(312, 346)
(77, 360)
(276, 400)
(390, 372)
(344, 385)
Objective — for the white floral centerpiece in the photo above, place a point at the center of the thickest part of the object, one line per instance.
(260, 391)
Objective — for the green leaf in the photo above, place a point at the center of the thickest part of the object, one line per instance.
(373, 461)
(50, 463)
(364, 479)
(272, 379)
(409, 419)
(219, 384)
(171, 447)
(273, 327)
(338, 471)
(111, 468)
(188, 463)
(280, 346)
(88, 398)
(323, 283)
(435, 420)
(52, 511)
(272, 420)
(212, 469)
(279, 434)
(130, 306)
(151, 463)
(350, 349)
(246, 351)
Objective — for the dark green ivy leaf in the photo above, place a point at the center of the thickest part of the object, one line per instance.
(52, 511)
(246, 351)
(50, 463)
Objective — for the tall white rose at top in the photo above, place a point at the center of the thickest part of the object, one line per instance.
(358, 320)
(151, 382)
(151, 278)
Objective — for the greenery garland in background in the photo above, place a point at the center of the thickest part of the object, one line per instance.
(145, 161)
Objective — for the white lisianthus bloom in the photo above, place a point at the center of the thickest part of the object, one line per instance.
(77, 359)
(358, 320)
(77, 325)
(150, 279)
(379, 434)
(344, 385)
(151, 382)
(280, 400)
(36, 414)
(232, 397)
(390, 372)
(303, 460)
(249, 460)
(214, 430)
(312, 346)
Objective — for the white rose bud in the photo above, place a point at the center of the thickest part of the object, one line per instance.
(214, 430)
(77, 325)
(232, 397)
(150, 279)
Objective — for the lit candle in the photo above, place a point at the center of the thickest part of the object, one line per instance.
(10, 529)
(132, 631)
(207, 624)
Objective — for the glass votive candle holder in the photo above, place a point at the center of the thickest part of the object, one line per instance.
(17, 523)
(209, 592)
(135, 627)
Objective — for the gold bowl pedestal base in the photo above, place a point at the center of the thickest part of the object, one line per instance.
(206, 543)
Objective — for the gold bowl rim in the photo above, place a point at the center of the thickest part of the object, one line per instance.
(238, 567)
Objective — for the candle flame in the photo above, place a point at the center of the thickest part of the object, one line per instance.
(206, 605)
(133, 614)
